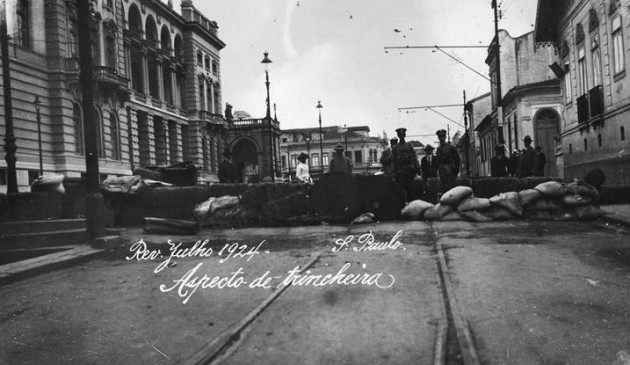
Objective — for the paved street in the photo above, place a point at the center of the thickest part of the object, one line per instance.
(447, 292)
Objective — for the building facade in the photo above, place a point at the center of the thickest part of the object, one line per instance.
(157, 84)
(529, 104)
(592, 40)
(364, 151)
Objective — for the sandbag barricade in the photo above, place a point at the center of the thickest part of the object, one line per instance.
(549, 200)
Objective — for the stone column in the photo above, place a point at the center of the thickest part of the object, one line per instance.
(160, 79)
(147, 140)
(175, 142)
(145, 73)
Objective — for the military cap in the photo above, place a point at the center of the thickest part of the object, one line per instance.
(441, 132)
(401, 130)
(527, 138)
(339, 147)
(428, 148)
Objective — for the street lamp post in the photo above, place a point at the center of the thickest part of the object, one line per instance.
(266, 61)
(345, 133)
(39, 135)
(321, 146)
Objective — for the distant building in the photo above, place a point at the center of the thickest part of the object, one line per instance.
(591, 39)
(530, 100)
(471, 147)
(364, 150)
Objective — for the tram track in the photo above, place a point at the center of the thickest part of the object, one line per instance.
(454, 341)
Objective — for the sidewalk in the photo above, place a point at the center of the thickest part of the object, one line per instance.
(619, 213)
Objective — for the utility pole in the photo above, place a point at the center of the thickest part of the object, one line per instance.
(468, 138)
(10, 147)
(94, 203)
(498, 70)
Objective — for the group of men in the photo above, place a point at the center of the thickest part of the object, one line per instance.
(400, 163)
(525, 163)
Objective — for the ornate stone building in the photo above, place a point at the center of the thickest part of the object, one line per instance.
(591, 40)
(157, 82)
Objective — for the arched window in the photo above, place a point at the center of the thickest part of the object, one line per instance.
(135, 20)
(579, 33)
(151, 29)
(165, 39)
(23, 17)
(581, 60)
(215, 67)
(568, 86)
(77, 119)
(199, 59)
(178, 46)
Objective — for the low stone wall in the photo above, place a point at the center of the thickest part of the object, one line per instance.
(30, 206)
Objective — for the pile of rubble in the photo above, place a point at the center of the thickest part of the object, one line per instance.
(550, 200)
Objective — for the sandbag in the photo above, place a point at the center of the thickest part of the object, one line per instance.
(414, 210)
(132, 184)
(201, 210)
(564, 215)
(552, 189)
(473, 203)
(456, 195)
(49, 183)
(529, 196)
(475, 216)
(452, 216)
(223, 202)
(545, 204)
(364, 218)
(584, 189)
(499, 213)
(436, 212)
(509, 201)
(537, 214)
(575, 200)
(587, 212)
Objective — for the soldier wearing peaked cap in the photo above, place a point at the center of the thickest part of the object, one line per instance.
(406, 165)
(447, 162)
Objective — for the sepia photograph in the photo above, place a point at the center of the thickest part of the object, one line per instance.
(322, 182)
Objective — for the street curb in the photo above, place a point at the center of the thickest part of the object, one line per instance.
(614, 220)
(39, 265)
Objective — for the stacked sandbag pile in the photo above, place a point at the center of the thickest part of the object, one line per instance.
(220, 211)
(559, 201)
(550, 200)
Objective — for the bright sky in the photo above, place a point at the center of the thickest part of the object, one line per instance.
(333, 51)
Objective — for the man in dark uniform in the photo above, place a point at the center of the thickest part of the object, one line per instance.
(447, 162)
(227, 170)
(428, 164)
(499, 163)
(528, 159)
(406, 165)
(541, 161)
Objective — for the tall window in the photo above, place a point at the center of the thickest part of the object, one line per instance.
(617, 42)
(78, 130)
(114, 137)
(358, 156)
(293, 160)
(325, 159)
(568, 86)
(315, 159)
(582, 70)
(597, 61)
(23, 33)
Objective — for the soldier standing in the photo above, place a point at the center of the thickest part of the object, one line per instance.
(447, 161)
(387, 161)
(406, 164)
(528, 159)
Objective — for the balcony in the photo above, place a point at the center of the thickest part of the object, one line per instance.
(216, 119)
(108, 78)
